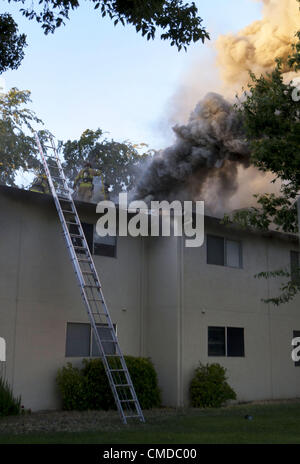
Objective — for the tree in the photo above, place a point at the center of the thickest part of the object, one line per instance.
(117, 161)
(179, 21)
(11, 44)
(17, 144)
(271, 117)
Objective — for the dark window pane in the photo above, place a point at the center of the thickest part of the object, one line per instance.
(295, 276)
(88, 230)
(215, 250)
(296, 333)
(235, 341)
(105, 334)
(78, 339)
(216, 341)
(105, 246)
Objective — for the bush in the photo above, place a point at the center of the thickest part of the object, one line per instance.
(9, 405)
(88, 388)
(71, 384)
(209, 387)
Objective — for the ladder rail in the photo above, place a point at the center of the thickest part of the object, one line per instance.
(83, 285)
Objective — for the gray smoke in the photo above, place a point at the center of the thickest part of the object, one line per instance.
(203, 162)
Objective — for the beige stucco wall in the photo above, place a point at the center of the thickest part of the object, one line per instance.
(222, 296)
(39, 295)
(163, 323)
(161, 295)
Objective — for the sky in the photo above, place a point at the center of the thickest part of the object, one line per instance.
(90, 74)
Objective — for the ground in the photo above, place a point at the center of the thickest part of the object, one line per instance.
(272, 422)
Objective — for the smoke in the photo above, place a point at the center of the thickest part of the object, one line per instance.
(207, 151)
(209, 159)
(257, 46)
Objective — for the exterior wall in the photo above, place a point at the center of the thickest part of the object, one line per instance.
(163, 314)
(161, 295)
(223, 296)
(39, 295)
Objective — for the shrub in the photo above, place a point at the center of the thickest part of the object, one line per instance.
(145, 381)
(88, 388)
(9, 405)
(71, 384)
(97, 389)
(209, 387)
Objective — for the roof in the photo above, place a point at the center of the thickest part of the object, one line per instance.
(43, 198)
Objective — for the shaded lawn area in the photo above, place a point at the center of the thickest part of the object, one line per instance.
(271, 423)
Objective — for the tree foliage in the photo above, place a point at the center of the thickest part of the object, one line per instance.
(17, 144)
(11, 44)
(117, 161)
(271, 115)
(178, 21)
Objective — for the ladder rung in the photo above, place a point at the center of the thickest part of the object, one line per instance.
(91, 286)
(67, 211)
(108, 341)
(122, 385)
(84, 261)
(139, 415)
(100, 314)
(127, 401)
(72, 223)
(117, 370)
(77, 247)
(88, 273)
(76, 235)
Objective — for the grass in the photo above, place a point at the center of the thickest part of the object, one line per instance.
(272, 423)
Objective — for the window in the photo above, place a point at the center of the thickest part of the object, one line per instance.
(226, 341)
(216, 341)
(81, 341)
(295, 265)
(78, 339)
(103, 246)
(224, 252)
(88, 230)
(296, 333)
(235, 341)
(105, 334)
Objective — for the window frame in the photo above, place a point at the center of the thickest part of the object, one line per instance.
(225, 240)
(90, 355)
(105, 256)
(216, 327)
(92, 249)
(226, 355)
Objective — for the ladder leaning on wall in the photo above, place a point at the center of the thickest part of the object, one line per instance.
(90, 286)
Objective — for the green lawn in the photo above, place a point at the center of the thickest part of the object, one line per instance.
(272, 423)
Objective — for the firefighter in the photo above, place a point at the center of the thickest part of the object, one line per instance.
(40, 184)
(83, 184)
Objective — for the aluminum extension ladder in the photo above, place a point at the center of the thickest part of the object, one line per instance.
(90, 286)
